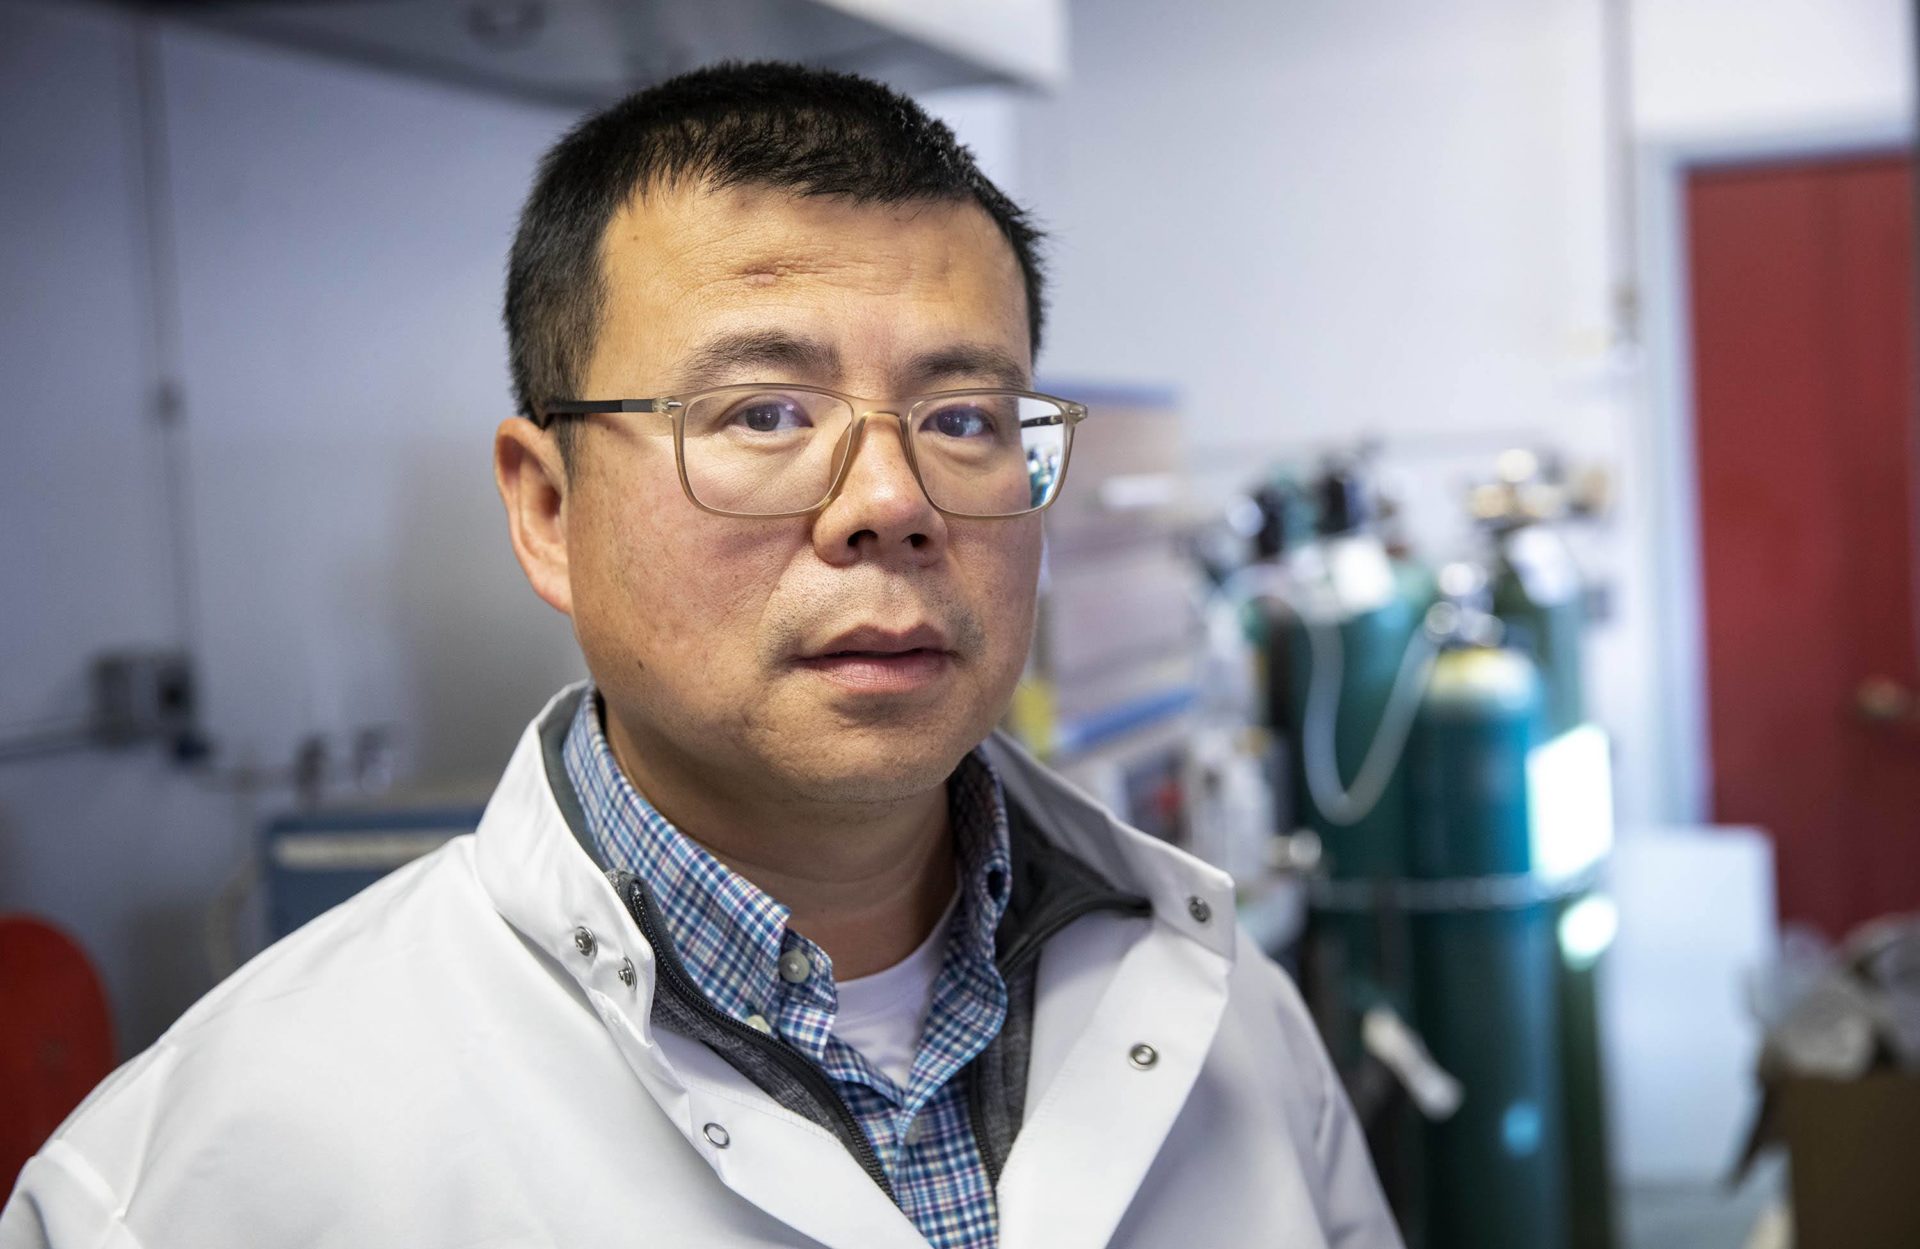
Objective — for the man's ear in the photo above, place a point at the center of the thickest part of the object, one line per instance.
(533, 484)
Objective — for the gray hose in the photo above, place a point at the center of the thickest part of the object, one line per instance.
(1340, 804)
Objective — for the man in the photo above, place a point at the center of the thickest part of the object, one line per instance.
(766, 938)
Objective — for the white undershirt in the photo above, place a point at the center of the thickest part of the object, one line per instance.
(881, 1015)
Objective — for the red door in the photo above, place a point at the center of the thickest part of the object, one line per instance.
(1802, 279)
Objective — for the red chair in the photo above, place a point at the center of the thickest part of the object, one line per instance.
(56, 1038)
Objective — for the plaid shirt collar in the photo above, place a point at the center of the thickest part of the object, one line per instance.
(732, 937)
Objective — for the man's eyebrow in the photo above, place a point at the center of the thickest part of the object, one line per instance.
(978, 362)
(738, 356)
(730, 356)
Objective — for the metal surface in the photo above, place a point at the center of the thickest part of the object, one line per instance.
(585, 53)
(1537, 594)
(1499, 891)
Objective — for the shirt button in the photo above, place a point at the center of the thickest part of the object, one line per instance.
(759, 1024)
(795, 967)
(917, 1130)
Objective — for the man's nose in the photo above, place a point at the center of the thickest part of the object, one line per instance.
(880, 508)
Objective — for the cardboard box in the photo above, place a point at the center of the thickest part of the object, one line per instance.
(1853, 1149)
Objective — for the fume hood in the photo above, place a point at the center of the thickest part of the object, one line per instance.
(582, 53)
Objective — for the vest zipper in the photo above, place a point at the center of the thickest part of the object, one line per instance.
(1024, 951)
(1028, 946)
(667, 963)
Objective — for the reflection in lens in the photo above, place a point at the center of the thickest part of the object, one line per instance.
(1043, 473)
(990, 454)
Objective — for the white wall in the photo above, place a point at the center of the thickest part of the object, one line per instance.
(112, 849)
(1733, 68)
(345, 364)
(1317, 219)
(341, 237)
(987, 120)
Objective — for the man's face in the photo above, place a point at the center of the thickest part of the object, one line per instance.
(854, 654)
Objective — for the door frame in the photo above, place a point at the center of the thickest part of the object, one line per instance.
(1668, 541)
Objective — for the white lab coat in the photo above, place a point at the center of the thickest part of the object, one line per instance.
(437, 1063)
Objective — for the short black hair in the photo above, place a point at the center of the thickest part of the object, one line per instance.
(765, 123)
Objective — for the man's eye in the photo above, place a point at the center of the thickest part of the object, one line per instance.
(770, 416)
(961, 422)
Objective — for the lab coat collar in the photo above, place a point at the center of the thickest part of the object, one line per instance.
(1194, 899)
(544, 883)
(1165, 997)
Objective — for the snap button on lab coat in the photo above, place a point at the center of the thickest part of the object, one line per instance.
(759, 1024)
(1143, 1056)
(1198, 908)
(717, 1135)
(626, 972)
(583, 941)
(795, 967)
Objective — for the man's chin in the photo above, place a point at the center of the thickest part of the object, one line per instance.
(871, 768)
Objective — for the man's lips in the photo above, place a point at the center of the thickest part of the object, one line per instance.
(877, 643)
(881, 661)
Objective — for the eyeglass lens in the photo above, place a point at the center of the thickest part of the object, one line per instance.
(763, 452)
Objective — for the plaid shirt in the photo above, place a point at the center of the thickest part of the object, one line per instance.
(731, 938)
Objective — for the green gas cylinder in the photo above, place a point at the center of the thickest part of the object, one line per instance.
(1539, 596)
(1344, 650)
(1486, 958)
(1584, 923)
(1345, 639)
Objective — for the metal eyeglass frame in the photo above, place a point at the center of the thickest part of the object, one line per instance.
(675, 407)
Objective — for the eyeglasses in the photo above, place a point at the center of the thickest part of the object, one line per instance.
(776, 450)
